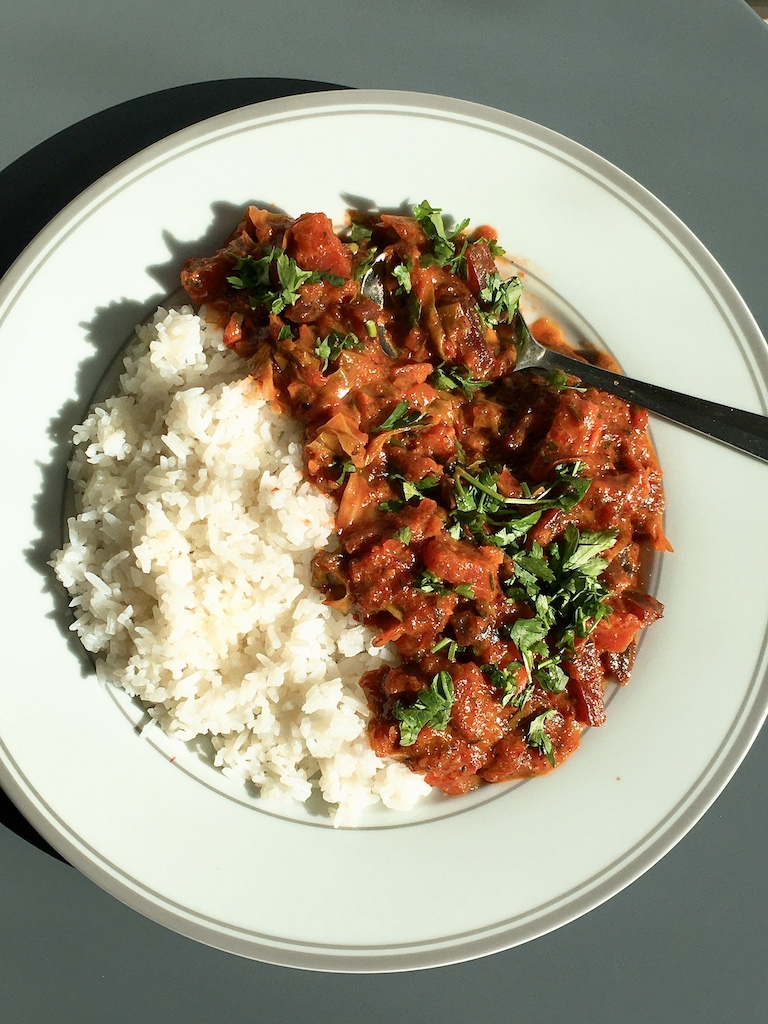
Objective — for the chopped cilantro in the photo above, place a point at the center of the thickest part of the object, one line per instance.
(537, 735)
(359, 232)
(449, 645)
(559, 380)
(341, 468)
(449, 378)
(486, 516)
(402, 417)
(409, 489)
(505, 679)
(499, 299)
(566, 597)
(443, 243)
(365, 264)
(428, 583)
(432, 707)
(560, 585)
(256, 277)
(580, 550)
(403, 535)
(330, 347)
(402, 274)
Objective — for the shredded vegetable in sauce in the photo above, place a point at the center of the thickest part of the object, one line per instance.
(490, 525)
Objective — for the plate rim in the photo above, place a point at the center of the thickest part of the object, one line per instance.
(711, 782)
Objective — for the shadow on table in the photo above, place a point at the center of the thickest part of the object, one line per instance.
(41, 183)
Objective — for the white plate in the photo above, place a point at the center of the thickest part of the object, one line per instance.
(460, 878)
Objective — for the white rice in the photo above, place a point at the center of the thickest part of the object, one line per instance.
(188, 567)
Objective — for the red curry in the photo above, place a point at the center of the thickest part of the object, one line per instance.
(490, 524)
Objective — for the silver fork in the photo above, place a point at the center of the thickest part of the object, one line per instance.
(372, 287)
(745, 431)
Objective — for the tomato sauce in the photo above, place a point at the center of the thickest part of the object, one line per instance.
(490, 525)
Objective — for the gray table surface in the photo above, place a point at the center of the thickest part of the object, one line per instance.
(676, 94)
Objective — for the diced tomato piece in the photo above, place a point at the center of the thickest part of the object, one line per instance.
(586, 685)
(313, 243)
(476, 712)
(205, 279)
(406, 228)
(633, 611)
(457, 562)
(480, 264)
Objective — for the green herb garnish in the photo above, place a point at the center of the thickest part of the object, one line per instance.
(537, 735)
(559, 380)
(330, 347)
(359, 232)
(409, 489)
(402, 417)
(255, 276)
(450, 646)
(499, 299)
(486, 516)
(449, 378)
(402, 274)
(341, 468)
(428, 583)
(365, 264)
(444, 252)
(505, 679)
(561, 585)
(432, 707)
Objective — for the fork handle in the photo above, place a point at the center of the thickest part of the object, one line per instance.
(745, 431)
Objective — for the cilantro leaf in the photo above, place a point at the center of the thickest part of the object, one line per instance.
(402, 274)
(499, 299)
(342, 468)
(581, 550)
(365, 264)
(449, 645)
(550, 676)
(401, 418)
(432, 707)
(537, 735)
(505, 679)
(528, 633)
(488, 517)
(443, 253)
(256, 276)
(290, 277)
(412, 489)
(562, 587)
(449, 378)
(559, 380)
(330, 347)
(534, 563)
(428, 583)
(359, 232)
